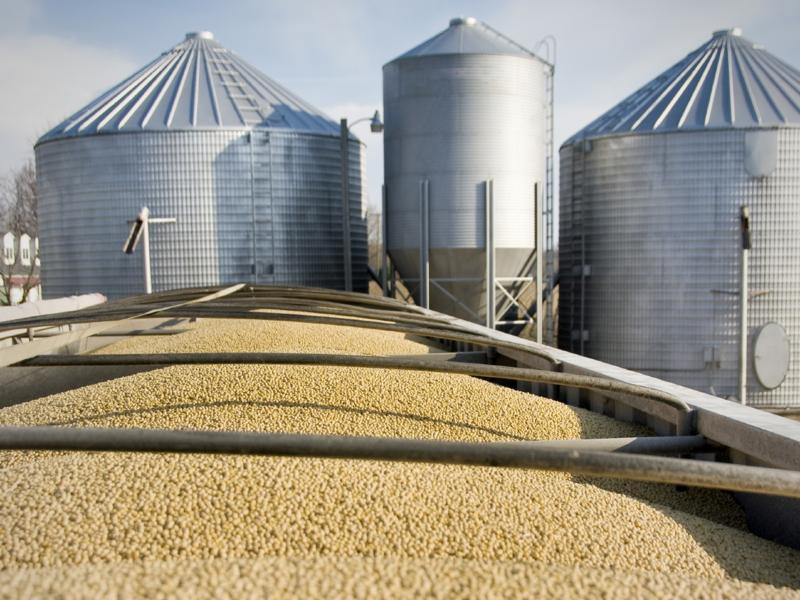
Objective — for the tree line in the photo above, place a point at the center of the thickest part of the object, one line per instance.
(19, 214)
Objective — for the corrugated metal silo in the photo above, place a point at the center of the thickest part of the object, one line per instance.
(251, 172)
(465, 107)
(650, 240)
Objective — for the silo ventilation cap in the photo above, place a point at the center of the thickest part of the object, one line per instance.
(463, 21)
(737, 31)
(203, 35)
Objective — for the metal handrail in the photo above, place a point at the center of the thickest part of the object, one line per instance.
(525, 455)
(428, 332)
(444, 332)
(371, 362)
(15, 354)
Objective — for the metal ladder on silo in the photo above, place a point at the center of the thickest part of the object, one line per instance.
(246, 105)
(549, 217)
(262, 207)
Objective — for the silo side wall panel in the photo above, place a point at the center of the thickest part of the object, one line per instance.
(90, 188)
(358, 217)
(306, 175)
(282, 190)
(569, 245)
(775, 262)
(235, 199)
(660, 225)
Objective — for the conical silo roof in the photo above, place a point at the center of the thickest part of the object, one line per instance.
(728, 82)
(197, 84)
(467, 35)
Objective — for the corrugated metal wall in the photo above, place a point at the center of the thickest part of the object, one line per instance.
(262, 212)
(657, 218)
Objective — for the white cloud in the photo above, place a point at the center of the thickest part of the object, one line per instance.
(45, 79)
(317, 30)
(607, 51)
(16, 14)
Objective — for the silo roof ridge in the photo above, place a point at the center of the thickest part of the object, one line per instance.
(468, 35)
(728, 82)
(196, 84)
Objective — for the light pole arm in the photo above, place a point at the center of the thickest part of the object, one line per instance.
(356, 122)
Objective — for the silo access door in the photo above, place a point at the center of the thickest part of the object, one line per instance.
(263, 239)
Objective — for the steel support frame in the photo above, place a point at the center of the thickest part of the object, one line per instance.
(527, 318)
(494, 283)
(490, 280)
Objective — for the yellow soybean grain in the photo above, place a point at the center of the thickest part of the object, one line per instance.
(71, 509)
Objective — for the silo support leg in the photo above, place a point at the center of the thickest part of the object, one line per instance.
(424, 244)
(490, 258)
(384, 241)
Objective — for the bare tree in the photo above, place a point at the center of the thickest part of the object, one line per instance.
(19, 214)
(19, 207)
(374, 238)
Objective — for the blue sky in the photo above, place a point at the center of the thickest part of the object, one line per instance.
(58, 55)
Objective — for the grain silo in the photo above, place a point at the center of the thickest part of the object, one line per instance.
(250, 171)
(465, 130)
(650, 234)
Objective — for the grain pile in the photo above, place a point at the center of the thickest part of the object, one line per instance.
(186, 523)
(362, 578)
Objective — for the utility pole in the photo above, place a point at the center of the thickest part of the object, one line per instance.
(744, 296)
(376, 126)
(148, 279)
